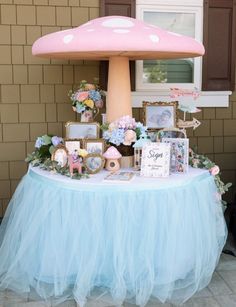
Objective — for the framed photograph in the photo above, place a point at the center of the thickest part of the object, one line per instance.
(155, 160)
(72, 145)
(76, 130)
(94, 163)
(179, 154)
(94, 146)
(171, 133)
(159, 115)
(60, 155)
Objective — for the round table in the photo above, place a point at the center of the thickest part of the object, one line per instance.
(91, 239)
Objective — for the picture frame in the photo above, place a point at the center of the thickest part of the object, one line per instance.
(60, 155)
(159, 115)
(94, 146)
(155, 160)
(171, 133)
(77, 130)
(94, 163)
(73, 144)
(179, 154)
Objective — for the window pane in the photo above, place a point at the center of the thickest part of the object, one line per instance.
(170, 71)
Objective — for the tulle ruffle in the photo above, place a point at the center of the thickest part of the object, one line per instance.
(111, 246)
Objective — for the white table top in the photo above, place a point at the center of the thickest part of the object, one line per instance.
(97, 180)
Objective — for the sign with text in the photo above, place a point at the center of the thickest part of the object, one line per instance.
(155, 160)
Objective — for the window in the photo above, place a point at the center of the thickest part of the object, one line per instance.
(181, 19)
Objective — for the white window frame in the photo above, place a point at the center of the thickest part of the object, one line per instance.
(162, 91)
(190, 6)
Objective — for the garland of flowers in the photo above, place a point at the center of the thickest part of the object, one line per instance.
(44, 147)
(202, 161)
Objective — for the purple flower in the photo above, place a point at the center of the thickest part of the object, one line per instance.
(56, 140)
(39, 142)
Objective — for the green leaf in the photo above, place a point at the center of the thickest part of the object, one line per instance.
(46, 139)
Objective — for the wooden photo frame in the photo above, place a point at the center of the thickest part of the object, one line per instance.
(159, 115)
(94, 163)
(94, 146)
(60, 155)
(73, 144)
(77, 130)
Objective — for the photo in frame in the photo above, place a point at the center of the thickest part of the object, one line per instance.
(155, 160)
(75, 130)
(171, 133)
(60, 155)
(94, 146)
(94, 163)
(72, 145)
(179, 154)
(159, 115)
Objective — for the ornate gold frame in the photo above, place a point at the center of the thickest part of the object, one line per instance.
(86, 141)
(89, 170)
(159, 104)
(59, 147)
(68, 124)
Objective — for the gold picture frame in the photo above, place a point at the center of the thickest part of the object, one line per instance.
(77, 130)
(160, 115)
(90, 145)
(60, 155)
(94, 163)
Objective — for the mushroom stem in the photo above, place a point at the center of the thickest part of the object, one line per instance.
(118, 101)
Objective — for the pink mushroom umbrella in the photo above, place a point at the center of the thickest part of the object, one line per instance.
(117, 39)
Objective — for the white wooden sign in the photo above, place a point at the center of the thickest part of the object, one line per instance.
(155, 160)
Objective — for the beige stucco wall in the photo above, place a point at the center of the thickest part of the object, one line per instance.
(33, 91)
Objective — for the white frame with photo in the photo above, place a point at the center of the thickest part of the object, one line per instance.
(75, 130)
(153, 113)
(73, 144)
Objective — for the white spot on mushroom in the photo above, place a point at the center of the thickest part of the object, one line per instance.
(68, 38)
(90, 30)
(175, 34)
(154, 38)
(117, 23)
(121, 31)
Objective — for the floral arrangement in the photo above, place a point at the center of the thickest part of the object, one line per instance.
(44, 148)
(87, 97)
(201, 161)
(124, 131)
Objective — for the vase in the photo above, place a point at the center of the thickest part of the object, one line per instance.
(127, 152)
(87, 116)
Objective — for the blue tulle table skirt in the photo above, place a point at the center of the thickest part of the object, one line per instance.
(147, 239)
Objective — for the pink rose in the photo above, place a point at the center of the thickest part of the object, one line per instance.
(215, 170)
(81, 96)
(99, 103)
(130, 137)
